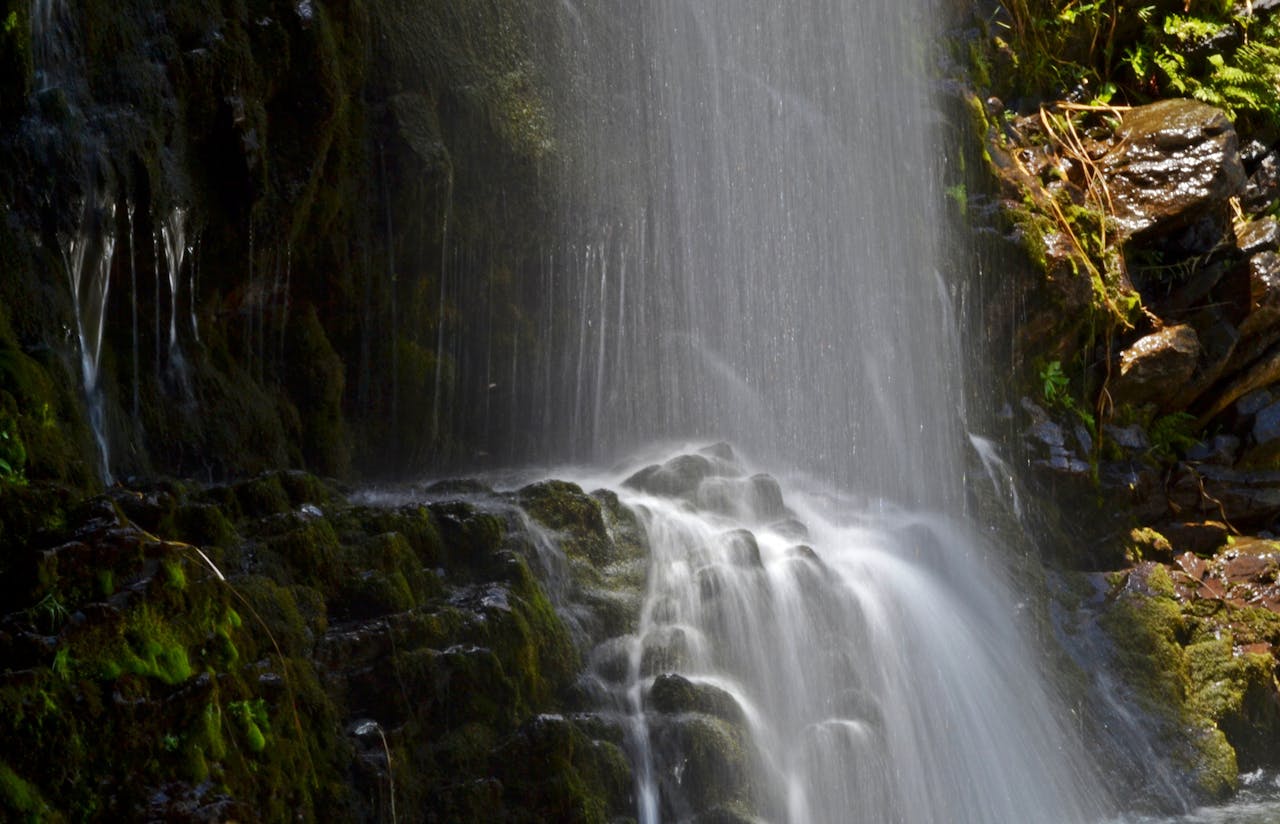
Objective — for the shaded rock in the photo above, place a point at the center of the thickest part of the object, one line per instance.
(1265, 437)
(1254, 402)
(1264, 294)
(1198, 537)
(1244, 498)
(1263, 372)
(1218, 338)
(1132, 437)
(1220, 450)
(1157, 367)
(1174, 161)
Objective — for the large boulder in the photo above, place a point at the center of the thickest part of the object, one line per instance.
(1158, 366)
(1173, 163)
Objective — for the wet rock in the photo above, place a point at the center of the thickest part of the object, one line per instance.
(1263, 189)
(1157, 367)
(457, 487)
(756, 499)
(741, 548)
(1256, 236)
(1174, 161)
(1193, 566)
(673, 693)
(804, 552)
(677, 478)
(564, 508)
(665, 649)
(791, 528)
(705, 764)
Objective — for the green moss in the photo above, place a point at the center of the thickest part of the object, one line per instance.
(174, 575)
(1147, 631)
(1215, 769)
(254, 722)
(18, 796)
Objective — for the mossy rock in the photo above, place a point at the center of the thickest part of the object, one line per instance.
(564, 508)
(471, 538)
(414, 523)
(551, 771)
(201, 524)
(1147, 631)
(715, 765)
(674, 694)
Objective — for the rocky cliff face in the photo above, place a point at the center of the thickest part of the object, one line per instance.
(235, 233)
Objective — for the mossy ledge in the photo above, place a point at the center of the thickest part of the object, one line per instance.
(271, 649)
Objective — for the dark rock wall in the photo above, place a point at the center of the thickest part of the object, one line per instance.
(361, 189)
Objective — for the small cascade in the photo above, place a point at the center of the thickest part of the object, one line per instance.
(998, 472)
(156, 304)
(194, 291)
(133, 314)
(173, 235)
(52, 52)
(87, 257)
(823, 660)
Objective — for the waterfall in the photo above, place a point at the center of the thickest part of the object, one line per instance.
(757, 260)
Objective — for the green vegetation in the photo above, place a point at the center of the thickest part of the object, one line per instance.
(1122, 51)
(1056, 389)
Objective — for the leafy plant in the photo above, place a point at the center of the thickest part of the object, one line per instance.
(1056, 387)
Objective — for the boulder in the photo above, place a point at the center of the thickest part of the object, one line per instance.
(1258, 236)
(1157, 367)
(1173, 163)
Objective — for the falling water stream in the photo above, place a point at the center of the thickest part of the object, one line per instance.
(774, 281)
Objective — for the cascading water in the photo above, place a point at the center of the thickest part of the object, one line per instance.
(87, 256)
(761, 265)
(173, 241)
